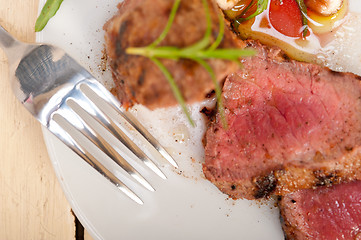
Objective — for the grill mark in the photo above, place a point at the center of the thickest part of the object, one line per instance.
(119, 49)
(141, 78)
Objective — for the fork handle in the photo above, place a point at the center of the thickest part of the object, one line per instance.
(6, 40)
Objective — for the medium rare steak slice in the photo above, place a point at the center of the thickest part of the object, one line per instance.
(137, 24)
(292, 125)
(323, 213)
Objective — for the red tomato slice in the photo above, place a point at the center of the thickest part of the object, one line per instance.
(285, 16)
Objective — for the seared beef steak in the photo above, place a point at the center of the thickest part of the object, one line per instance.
(137, 24)
(292, 125)
(323, 213)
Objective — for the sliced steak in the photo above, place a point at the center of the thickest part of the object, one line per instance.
(137, 24)
(292, 125)
(324, 213)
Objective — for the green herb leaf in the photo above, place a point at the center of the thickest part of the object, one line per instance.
(217, 90)
(177, 53)
(168, 26)
(177, 94)
(303, 9)
(199, 52)
(48, 11)
(204, 42)
(247, 8)
(220, 34)
(261, 6)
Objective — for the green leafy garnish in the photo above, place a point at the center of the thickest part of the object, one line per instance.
(198, 52)
(303, 9)
(47, 12)
(261, 6)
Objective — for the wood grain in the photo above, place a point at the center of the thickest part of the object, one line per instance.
(32, 205)
(87, 235)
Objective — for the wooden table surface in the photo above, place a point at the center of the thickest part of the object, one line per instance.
(32, 204)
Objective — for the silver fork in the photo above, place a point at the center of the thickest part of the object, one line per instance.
(58, 92)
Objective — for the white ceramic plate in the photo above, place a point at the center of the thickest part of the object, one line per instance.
(185, 206)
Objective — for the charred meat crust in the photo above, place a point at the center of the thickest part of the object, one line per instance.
(139, 23)
(289, 230)
(265, 186)
(252, 161)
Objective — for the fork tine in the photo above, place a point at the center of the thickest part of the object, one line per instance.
(141, 129)
(108, 124)
(114, 103)
(77, 122)
(65, 137)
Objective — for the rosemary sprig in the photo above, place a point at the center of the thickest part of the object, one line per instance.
(198, 52)
(175, 89)
(168, 26)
